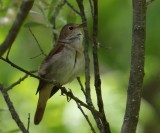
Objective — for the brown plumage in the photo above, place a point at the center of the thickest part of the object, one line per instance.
(62, 64)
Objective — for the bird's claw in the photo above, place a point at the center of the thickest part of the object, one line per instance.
(68, 94)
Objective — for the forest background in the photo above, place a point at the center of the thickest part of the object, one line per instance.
(114, 37)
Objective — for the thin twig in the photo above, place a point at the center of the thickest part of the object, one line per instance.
(28, 72)
(97, 78)
(22, 14)
(99, 45)
(42, 52)
(19, 68)
(91, 6)
(36, 56)
(87, 60)
(12, 110)
(17, 82)
(87, 66)
(86, 117)
(28, 124)
(72, 7)
(53, 18)
(70, 95)
(149, 2)
(9, 49)
(80, 83)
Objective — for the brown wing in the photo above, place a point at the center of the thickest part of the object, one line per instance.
(54, 51)
(41, 85)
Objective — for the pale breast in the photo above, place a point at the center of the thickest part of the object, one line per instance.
(78, 67)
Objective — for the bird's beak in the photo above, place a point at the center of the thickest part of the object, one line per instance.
(81, 26)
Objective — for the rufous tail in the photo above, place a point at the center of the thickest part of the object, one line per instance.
(44, 95)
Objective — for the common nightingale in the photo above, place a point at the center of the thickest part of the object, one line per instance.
(64, 63)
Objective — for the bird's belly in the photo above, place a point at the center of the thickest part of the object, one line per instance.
(78, 67)
(62, 69)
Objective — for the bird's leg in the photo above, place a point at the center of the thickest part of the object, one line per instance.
(64, 92)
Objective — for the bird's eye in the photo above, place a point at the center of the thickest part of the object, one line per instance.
(70, 27)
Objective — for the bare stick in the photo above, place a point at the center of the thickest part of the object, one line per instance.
(80, 83)
(12, 110)
(86, 117)
(22, 14)
(97, 82)
(72, 7)
(17, 82)
(19, 68)
(91, 6)
(87, 60)
(87, 66)
(149, 2)
(28, 122)
(53, 18)
(42, 52)
(28, 72)
(70, 95)
(137, 67)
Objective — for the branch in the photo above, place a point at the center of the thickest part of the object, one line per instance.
(28, 72)
(86, 117)
(72, 7)
(86, 49)
(19, 68)
(137, 67)
(53, 18)
(87, 66)
(91, 6)
(12, 110)
(80, 83)
(42, 52)
(28, 122)
(22, 14)
(149, 2)
(70, 95)
(17, 82)
(97, 81)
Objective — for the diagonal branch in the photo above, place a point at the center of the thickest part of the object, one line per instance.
(22, 14)
(17, 82)
(81, 103)
(80, 83)
(42, 52)
(12, 110)
(19, 68)
(71, 6)
(30, 73)
(86, 117)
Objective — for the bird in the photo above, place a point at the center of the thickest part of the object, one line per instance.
(63, 64)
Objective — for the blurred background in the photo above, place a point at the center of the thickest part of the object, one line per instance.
(115, 38)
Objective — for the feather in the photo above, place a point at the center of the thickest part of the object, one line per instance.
(44, 95)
